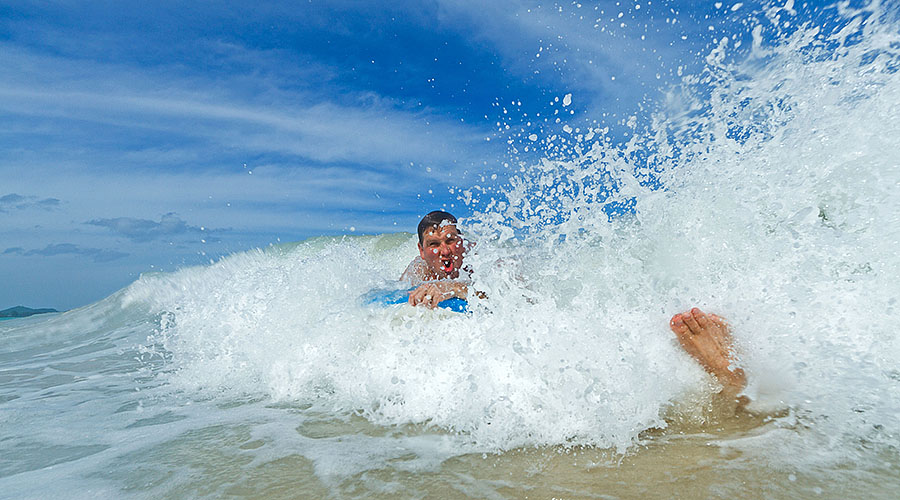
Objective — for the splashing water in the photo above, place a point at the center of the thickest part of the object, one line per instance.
(763, 189)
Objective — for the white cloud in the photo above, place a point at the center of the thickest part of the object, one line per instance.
(54, 249)
(123, 145)
(274, 199)
(140, 230)
(15, 201)
(133, 101)
(560, 45)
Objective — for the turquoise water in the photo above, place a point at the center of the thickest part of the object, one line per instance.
(3, 319)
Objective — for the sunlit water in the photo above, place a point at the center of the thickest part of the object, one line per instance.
(766, 190)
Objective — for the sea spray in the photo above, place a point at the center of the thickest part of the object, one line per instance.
(765, 189)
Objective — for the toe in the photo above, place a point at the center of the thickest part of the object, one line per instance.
(701, 318)
(691, 322)
(677, 325)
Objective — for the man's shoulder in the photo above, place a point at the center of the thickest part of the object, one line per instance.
(415, 272)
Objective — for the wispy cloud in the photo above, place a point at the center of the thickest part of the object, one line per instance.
(142, 230)
(54, 249)
(14, 201)
(610, 55)
(374, 130)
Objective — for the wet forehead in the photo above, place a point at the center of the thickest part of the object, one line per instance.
(445, 232)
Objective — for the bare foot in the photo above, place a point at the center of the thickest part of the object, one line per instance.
(707, 338)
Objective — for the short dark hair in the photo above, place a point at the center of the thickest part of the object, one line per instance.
(434, 219)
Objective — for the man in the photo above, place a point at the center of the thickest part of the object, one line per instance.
(706, 337)
(437, 268)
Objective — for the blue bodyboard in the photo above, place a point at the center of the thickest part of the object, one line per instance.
(385, 297)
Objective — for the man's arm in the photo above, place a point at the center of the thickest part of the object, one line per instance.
(432, 293)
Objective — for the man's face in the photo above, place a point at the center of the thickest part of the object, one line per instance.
(442, 250)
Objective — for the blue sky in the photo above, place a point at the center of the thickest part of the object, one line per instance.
(142, 136)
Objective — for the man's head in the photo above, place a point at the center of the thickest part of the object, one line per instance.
(441, 245)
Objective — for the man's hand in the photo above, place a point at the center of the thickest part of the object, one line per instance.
(431, 294)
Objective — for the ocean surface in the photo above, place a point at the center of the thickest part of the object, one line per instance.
(765, 188)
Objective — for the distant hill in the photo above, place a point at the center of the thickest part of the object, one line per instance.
(22, 312)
